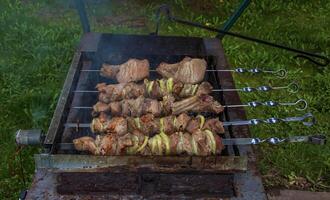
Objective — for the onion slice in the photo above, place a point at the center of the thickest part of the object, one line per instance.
(166, 141)
(211, 138)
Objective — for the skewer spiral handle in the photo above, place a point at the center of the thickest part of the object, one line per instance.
(279, 73)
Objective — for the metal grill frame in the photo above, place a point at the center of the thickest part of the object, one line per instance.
(240, 158)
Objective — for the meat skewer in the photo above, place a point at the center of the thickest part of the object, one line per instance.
(201, 143)
(152, 89)
(189, 70)
(179, 143)
(308, 120)
(292, 88)
(150, 125)
(132, 70)
(142, 106)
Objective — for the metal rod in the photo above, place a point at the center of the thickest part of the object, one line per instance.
(281, 73)
(301, 54)
(292, 88)
(304, 119)
(301, 104)
(312, 139)
(273, 120)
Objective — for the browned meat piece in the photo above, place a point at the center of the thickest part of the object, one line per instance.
(219, 144)
(86, 144)
(181, 122)
(193, 125)
(146, 124)
(204, 88)
(167, 124)
(132, 70)
(117, 125)
(149, 124)
(117, 92)
(202, 103)
(140, 106)
(189, 70)
(175, 140)
(180, 143)
(187, 144)
(214, 125)
(124, 142)
(133, 107)
(189, 90)
(151, 106)
(198, 143)
(108, 145)
(115, 108)
(101, 107)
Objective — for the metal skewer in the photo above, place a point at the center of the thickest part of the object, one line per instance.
(300, 104)
(292, 88)
(312, 139)
(281, 73)
(304, 119)
(273, 120)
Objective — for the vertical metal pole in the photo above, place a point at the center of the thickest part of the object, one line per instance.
(83, 15)
(231, 21)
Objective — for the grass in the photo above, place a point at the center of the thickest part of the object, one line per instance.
(38, 39)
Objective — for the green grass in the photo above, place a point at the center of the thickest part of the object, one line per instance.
(38, 39)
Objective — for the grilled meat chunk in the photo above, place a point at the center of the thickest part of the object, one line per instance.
(201, 103)
(214, 125)
(132, 70)
(189, 70)
(86, 143)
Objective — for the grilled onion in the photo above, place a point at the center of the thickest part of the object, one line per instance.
(166, 142)
(211, 140)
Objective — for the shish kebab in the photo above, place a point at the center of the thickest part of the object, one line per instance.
(150, 125)
(180, 143)
(168, 106)
(189, 70)
(156, 89)
(201, 141)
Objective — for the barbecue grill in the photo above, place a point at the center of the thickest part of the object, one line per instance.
(64, 173)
